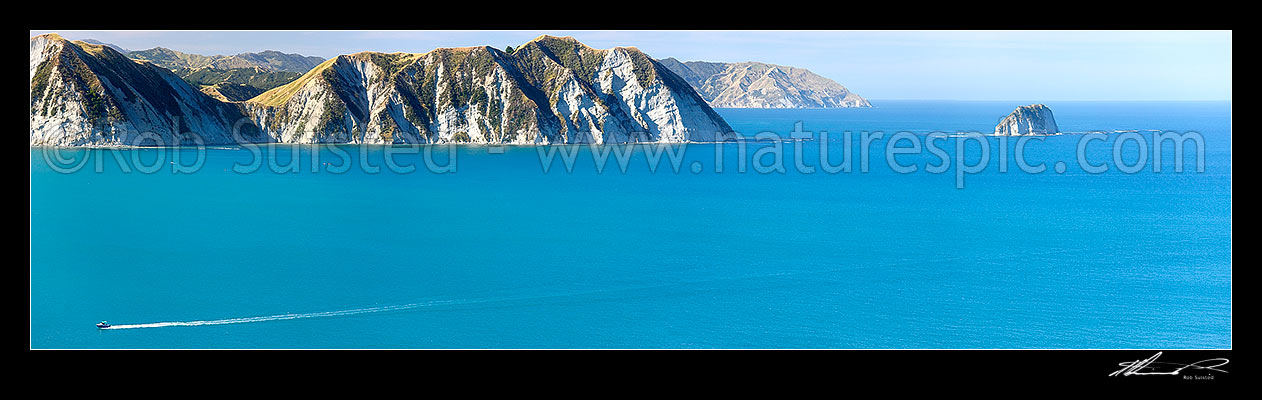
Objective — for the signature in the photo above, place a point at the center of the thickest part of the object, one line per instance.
(1150, 366)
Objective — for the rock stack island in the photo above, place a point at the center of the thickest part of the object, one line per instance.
(1033, 119)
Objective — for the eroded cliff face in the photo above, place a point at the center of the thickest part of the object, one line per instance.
(85, 94)
(550, 90)
(762, 85)
(1033, 119)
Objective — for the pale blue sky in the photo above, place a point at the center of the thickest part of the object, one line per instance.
(1028, 66)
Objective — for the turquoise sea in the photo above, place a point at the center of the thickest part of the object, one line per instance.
(500, 254)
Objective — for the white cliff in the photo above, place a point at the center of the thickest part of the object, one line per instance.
(550, 90)
(85, 94)
(1034, 119)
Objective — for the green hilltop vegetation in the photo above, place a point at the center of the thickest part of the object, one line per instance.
(255, 77)
(225, 91)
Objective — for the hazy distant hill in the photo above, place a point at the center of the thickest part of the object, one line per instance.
(271, 60)
(762, 85)
(229, 78)
(281, 61)
(110, 45)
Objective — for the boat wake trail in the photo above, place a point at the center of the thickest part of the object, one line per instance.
(376, 309)
(610, 293)
(282, 317)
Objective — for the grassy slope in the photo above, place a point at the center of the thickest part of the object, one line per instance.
(280, 95)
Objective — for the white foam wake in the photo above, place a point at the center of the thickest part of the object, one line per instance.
(409, 306)
(366, 310)
(378, 309)
(282, 317)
